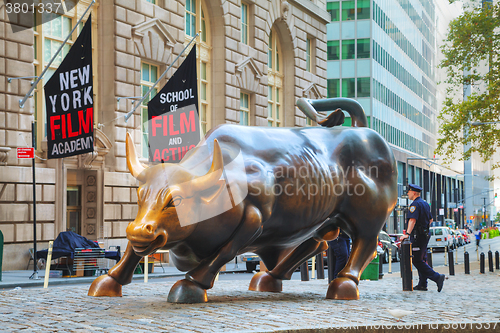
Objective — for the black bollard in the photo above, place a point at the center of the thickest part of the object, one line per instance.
(406, 272)
(481, 263)
(380, 267)
(490, 260)
(497, 260)
(466, 262)
(429, 257)
(304, 272)
(451, 263)
(320, 267)
(331, 264)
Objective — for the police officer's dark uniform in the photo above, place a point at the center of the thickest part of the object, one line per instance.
(341, 250)
(419, 237)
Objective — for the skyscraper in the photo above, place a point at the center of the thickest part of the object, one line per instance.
(384, 54)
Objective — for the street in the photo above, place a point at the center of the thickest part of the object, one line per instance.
(438, 258)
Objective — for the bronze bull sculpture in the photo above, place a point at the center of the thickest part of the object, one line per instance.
(354, 167)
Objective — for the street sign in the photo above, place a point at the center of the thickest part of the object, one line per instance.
(441, 211)
(455, 209)
(25, 152)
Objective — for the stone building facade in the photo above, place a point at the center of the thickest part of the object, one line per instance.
(256, 58)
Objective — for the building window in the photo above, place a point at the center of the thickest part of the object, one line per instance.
(149, 75)
(152, 1)
(363, 46)
(275, 79)
(191, 18)
(196, 20)
(274, 116)
(333, 86)
(333, 50)
(348, 88)
(333, 9)
(244, 23)
(348, 12)
(363, 87)
(363, 9)
(244, 109)
(308, 55)
(203, 97)
(348, 49)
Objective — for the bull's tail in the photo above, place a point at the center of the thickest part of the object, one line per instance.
(312, 107)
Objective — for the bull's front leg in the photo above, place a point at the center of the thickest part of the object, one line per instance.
(193, 288)
(121, 274)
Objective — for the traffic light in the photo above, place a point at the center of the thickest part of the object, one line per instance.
(496, 195)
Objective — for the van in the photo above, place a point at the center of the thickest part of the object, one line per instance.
(441, 237)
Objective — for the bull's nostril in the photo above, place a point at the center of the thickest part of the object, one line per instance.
(149, 228)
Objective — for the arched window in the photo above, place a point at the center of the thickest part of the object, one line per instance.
(275, 81)
(196, 20)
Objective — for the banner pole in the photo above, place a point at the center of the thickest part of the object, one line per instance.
(33, 86)
(35, 272)
(128, 115)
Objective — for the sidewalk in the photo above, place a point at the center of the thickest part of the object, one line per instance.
(13, 279)
(468, 303)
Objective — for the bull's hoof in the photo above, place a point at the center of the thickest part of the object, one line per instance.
(263, 281)
(105, 285)
(342, 288)
(185, 291)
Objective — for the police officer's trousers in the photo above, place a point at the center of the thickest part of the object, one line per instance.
(419, 246)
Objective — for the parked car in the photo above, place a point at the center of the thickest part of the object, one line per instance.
(441, 238)
(397, 242)
(387, 242)
(460, 237)
(465, 236)
(251, 260)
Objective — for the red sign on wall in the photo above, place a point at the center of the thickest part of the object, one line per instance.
(25, 152)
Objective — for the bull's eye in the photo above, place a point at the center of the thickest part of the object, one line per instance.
(176, 201)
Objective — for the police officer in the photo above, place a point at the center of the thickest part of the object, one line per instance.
(341, 248)
(419, 220)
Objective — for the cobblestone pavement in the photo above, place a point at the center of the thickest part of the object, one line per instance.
(232, 308)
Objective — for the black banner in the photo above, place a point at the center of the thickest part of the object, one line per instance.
(173, 121)
(69, 101)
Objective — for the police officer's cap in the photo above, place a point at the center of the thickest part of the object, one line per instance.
(415, 188)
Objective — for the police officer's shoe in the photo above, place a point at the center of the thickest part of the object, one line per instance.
(440, 282)
(421, 288)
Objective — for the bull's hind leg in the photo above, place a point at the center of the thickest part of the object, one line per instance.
(121, 274)
(272, 280)
(345, 286)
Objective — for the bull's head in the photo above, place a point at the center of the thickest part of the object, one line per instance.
(169, 195)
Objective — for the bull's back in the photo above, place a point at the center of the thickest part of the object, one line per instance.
(314, 171)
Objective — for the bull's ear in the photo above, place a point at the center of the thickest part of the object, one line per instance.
(213, 175)
(134, 165)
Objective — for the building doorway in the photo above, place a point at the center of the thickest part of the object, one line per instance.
(74, 209)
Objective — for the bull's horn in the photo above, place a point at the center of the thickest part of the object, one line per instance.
(213, 175)
(134, 165)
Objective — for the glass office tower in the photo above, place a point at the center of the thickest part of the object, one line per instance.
(384, 53)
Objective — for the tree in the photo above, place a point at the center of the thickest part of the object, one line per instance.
(471, 56)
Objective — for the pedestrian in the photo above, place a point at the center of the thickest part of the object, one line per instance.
(478, 238)
(341, 248)
(419, 220)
